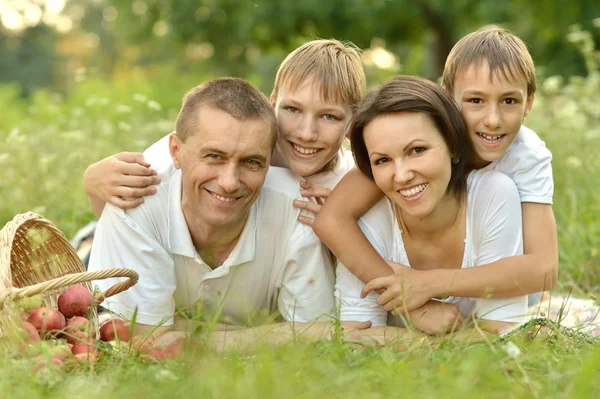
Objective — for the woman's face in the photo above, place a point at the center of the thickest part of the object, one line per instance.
(410, 160)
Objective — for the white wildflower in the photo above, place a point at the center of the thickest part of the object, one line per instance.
(154, 105)
(553, 84)
(123, 109)
(140, 98)
(574, 162)
(165, 374)
(512, 350)
(125, 126)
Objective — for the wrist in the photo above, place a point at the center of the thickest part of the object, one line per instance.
(437, 283)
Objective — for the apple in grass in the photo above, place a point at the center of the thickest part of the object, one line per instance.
(114, 329)
(75, 301)
(47, 321)
(78, 328)
(33, 333)
(86, 346)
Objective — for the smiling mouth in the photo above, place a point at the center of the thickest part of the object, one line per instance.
(304, 150)
(489, 138)
(413, 192)
(222, 198)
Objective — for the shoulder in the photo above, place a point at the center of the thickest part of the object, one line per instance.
(159, 157)
(527, 150)
(486, 186)
(378, 226)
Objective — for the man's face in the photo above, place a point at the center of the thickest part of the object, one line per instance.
(311, 132)
(223, 166)
(494, 108)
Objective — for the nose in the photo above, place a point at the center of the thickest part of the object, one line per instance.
(308, 129)
(403, 172)
(493, 118)
(229, 179)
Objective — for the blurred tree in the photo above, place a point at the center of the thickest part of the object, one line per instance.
(238, 32)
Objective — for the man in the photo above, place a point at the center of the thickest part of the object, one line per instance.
(218, 237)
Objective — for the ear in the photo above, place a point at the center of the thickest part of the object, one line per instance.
(175, 149)
(273, 100)
(528, 105)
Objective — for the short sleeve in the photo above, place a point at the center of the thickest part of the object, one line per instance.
(120, 242)
(529, 164)
(497, 233)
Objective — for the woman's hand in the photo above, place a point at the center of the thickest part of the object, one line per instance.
(436, 318)
(405, 290)
(319, 193)
(122, 180)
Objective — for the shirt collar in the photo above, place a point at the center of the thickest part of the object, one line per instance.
(180, 239)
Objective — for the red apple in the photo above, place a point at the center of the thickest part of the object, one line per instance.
(75, 301)
(85, 347)
(31, 330)
(114, 329)
(78, 328)
(24, 316)
(46, 320)
(86, 357)
(173, 350)
(154, 355)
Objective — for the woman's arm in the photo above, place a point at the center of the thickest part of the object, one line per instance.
(123, 180)
(336, 225)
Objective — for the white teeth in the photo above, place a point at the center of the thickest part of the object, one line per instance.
(224, 199)
(489, 138)
(305, 151)
(413, 191)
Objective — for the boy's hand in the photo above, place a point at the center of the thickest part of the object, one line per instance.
(319, 193)
(405, 290)
(122, 180)
(436, 318)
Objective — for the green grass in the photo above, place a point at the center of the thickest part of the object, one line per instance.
(48, 143)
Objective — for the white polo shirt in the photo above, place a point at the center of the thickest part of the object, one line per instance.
(278, 264)
(528, 163)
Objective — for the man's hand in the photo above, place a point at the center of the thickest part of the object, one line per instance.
(319, 193)
(122, 180)
(405, 290)
(436, 318)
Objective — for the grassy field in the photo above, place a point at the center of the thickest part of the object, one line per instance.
(48, 143)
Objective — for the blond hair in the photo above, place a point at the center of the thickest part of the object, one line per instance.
(335, 66)
(506, 54)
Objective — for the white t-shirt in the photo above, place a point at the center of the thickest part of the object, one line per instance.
(528, 163)
(278, 264)
(493, 232)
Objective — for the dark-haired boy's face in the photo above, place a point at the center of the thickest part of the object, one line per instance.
(311, 131)
(493, 106)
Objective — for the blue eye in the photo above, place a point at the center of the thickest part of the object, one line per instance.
(330, 117)
(293, 110)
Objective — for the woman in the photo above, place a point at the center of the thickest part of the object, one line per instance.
(410, 139)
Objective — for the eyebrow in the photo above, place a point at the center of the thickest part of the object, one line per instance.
(295, 103)
(258, 157)
(481, 93)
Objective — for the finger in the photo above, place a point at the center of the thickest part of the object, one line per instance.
(309, 206)
(306, 220)
(376, 284)
(133, 169)
(320, 200)
(131, 193)
(317, 191)
(133, 157)
(125, 203)
(139, 181)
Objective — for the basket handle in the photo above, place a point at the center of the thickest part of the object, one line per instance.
(75, 278)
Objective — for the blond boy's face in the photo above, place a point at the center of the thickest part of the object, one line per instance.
(494, 109)
(311, 131)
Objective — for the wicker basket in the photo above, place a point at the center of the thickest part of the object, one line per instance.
(36, 258)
